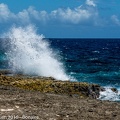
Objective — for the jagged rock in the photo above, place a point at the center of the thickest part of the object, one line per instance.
(102, 89)
(94, 91)
(50, 85)
(5, 72)
(114, 90)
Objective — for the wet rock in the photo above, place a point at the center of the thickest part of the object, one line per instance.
(102, 89)
(114, 90)
(94, 91)
(5, 71)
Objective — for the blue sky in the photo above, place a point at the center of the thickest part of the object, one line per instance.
(64, 18)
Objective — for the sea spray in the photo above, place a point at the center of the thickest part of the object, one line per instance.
(108, 94)
(31, 54)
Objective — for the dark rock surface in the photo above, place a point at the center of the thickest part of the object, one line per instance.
(114, 90)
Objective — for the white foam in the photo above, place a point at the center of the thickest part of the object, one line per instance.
(31, 54)
(108, 94)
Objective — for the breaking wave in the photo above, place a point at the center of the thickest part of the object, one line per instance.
(108, 94)
(31, 54)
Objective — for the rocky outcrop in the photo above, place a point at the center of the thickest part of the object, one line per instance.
(50, 85)
(114, 90)
(5, 72)
(44, 98)
(21, 104)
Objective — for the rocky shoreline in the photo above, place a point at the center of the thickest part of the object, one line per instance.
(50, 85)
(45, 98)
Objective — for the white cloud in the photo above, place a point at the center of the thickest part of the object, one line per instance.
(23, 16)
(38, 15)
(75, 16)
(5, 13)
(115, 19)
(90, 3)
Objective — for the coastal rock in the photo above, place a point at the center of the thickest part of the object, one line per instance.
(114, 90)
(5, 71)
(44, 98)
(34, 105)
(102, 89)
(50, 85)
(94, 91)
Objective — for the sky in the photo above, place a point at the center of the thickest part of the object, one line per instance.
(63, 18)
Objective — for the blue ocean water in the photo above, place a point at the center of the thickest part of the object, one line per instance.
(94, 61)
(87, 60)
(91, 60)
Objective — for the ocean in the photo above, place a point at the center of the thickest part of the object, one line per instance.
(94, 61)
(91, 60)
(84, 60)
